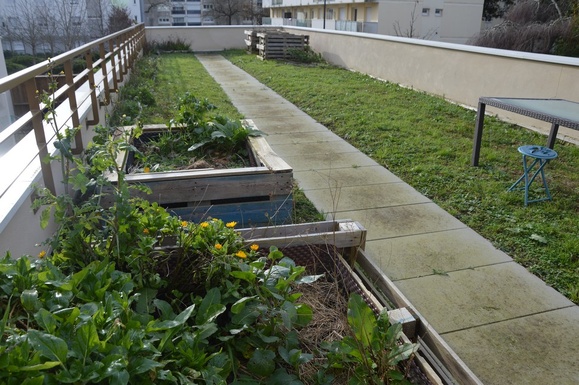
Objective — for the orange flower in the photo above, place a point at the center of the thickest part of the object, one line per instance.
(254, 247)
(184, 223)
(218, 246)
(145, 231)
(147, 169)
(204, 224)
(241, 254)
(231, 224)
(42, 254)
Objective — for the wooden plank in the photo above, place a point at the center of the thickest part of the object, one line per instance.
(264, 153)
(460, 372)
(308, 234)
(215, 188)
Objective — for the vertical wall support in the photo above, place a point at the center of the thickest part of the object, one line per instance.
(93, 96)
(113, 65)
(38, 127)
(107, 87)
(71, 95)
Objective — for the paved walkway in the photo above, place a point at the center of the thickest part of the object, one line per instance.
(503, 322)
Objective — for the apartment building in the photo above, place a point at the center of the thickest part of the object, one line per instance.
(37, 26)
(453, 21)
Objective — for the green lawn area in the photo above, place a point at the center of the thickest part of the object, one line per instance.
(427, 142)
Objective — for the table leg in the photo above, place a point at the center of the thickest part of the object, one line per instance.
(552, 135)
(480, 117)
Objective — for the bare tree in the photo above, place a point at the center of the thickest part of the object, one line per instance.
(71, 22)
(119, 19)
(224, 11)
(410, 31)
(532, 26)
(25, 25)
(97, 12)
(253, 10)
(49, 21)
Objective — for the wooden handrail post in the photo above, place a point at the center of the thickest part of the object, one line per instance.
(93, 96)
(38, 127)
(71, 95)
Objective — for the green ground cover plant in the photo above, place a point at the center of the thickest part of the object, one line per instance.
(427, 142)
(101, 307)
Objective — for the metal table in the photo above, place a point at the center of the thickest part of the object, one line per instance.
(555, 111)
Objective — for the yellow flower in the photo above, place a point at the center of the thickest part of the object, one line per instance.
(241, 254)
(204, 224)
(42, 254)
(147, 169)
(218, 246)
(231, 224)
(184, 223)
(254, 247)
(145, 231)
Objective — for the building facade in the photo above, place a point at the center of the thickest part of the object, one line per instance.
(453, 21)
(52, 26)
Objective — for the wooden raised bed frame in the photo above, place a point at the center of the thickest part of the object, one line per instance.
(252, 196)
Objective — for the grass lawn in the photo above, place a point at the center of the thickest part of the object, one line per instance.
(427, 142)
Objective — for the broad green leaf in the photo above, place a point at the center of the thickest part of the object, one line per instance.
(240, 304)
(210, 307)
(262, 362)
(87, 339)
(401, 353)
(140, 365)
(361, 319)
(304, 315)
(44, 366)
(49, 346)
(155, 326)
(244, 275)
(46, 320)
(29, 299)
(38, 380)
(309, 279)
(45, 218)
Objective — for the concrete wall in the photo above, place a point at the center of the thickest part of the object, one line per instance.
(202, 39)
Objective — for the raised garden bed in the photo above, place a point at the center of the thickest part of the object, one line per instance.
(252, 196)
(320, 248)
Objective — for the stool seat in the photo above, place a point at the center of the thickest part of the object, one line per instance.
(541, 156)
(539, 152)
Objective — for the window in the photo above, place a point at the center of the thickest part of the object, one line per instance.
(438, 12)
(164, 20)
(330, 14)
(425, 11)
(207, 6)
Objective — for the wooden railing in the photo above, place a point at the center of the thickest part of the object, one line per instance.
(79, 98)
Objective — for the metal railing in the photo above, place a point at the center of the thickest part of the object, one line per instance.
(78, 100)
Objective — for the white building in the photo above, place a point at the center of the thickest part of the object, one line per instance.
(453, 21)
(37, 26)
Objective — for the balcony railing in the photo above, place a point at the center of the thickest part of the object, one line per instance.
(80, 101)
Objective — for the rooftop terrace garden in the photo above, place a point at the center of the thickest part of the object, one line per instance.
(427, 141)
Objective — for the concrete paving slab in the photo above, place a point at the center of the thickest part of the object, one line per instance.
(400, 221)
(428, 254)
(253, 110)
(303, 137)
(289, 125)
(314, 147)
(344, 177)
(476, 296)
(365, 197)
(328, 161)
(538, 349)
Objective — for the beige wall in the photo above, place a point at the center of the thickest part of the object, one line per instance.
(202, 39)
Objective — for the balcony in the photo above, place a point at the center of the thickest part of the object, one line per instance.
(460, 73)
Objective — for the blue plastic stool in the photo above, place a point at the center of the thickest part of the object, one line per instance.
(542, 156)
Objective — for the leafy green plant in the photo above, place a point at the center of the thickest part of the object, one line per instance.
(372, 352)
(305, 55)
